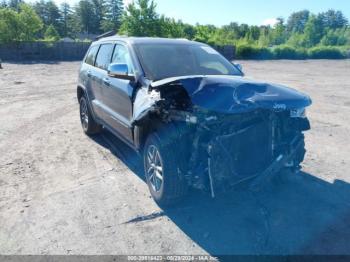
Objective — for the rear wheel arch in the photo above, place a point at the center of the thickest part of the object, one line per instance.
(89, 124)
(81, 91)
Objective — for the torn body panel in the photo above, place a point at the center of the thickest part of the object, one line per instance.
(145, 101)
(232, 128)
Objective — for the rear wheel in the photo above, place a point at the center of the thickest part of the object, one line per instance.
(88, 123)
(166, 184)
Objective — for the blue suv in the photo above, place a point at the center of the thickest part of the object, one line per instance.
(191, 114)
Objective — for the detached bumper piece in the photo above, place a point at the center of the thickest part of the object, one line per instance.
(282, 160)
(301, 124)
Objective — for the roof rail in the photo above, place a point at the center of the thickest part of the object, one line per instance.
(107, 34)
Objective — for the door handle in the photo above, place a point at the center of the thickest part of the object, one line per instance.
(89, 73)
(106, 81)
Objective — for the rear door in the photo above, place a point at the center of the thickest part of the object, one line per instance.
(100, 80)
(88, 77)
(118, 95)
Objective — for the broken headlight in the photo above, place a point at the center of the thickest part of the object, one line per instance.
(298, 113)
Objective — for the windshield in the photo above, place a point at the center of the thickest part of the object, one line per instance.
(161, 61)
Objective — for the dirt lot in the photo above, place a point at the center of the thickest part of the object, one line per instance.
(64, 193)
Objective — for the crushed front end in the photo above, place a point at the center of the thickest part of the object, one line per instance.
(227, 130)
(222, 150)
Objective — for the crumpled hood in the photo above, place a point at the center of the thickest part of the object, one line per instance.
(234, 94)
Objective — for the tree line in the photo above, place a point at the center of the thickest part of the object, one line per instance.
(301, 32)
(52, 22)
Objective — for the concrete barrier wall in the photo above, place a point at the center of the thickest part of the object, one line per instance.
(63, 51)
(43, 51)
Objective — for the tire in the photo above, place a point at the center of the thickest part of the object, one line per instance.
(88, 123)
(172, 186)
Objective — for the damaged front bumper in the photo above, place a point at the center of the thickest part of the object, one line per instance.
(273, 169)
(264, 144)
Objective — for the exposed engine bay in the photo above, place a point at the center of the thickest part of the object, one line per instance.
(225, 129)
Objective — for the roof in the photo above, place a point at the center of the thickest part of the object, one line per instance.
(147, 40)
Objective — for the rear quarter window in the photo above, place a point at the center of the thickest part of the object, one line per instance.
(91, 56)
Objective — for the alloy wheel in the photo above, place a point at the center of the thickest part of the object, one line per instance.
(84, 117)
(154, 168)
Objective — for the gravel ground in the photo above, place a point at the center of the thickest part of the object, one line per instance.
(62, 192)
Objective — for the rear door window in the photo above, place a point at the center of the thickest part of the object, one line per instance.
(104, 56)
(90, 58)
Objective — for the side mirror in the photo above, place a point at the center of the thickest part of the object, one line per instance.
(120, 71)
(239, 66)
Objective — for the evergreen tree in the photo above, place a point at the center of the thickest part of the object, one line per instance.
(66, 18)
(3, 4)
(333, 19)
(113, 15)
(15, 4)
(98, 15)
(85, 15)
(297, 21)
(49, 13)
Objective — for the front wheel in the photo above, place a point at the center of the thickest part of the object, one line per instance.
(165, 182)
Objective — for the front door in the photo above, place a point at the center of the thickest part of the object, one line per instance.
(118, 95)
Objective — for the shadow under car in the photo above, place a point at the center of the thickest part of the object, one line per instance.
(293, 214)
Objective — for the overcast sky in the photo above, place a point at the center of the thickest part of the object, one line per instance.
(220, 12)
